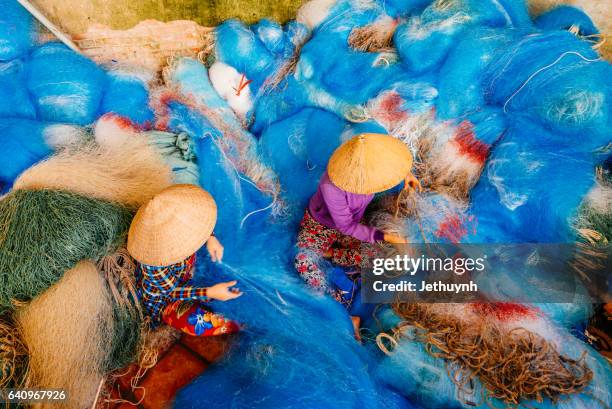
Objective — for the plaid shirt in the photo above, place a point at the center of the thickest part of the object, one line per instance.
(159, 286)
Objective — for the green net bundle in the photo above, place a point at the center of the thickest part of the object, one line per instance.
(43, 233)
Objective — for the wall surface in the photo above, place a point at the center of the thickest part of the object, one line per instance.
(74, 16)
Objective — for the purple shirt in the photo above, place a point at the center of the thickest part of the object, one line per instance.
(343, 211)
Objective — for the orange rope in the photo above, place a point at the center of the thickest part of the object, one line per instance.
(242, 85)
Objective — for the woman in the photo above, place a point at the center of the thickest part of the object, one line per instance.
(163, 238)
(331, 227)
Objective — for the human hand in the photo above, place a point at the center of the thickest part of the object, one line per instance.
(395, 238)
(215, 249)
(223, 291)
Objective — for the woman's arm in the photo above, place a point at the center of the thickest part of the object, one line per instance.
(343, 218)
(220, 291)
(189, 293)
(215, 249)
(163, 282)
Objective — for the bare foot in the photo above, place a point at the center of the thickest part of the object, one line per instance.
(356, 324)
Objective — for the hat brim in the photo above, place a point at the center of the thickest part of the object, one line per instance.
(172, 226)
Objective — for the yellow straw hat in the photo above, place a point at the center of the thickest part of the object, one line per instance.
(172, 226)
(369, 163)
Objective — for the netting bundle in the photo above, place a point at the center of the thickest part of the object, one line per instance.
(271, 34)
(328, 63)
(24, 142)
(43, 233)
(459, 87)
(298, 148)
(138, 163)
(14, 98)
(512, 203)
(64, 85)
(239, 47)
(17, 30)
(67, 330)
(559, 81)
(73, 340)
(424, 41)
(337, 77)
(477, 355)
(566, 18)
(129, 173)
(127, 94)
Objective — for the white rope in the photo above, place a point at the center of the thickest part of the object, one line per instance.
(545, 68)
(248, 181)
(95, 402)
(255, 211)
(280, 297)
(49, 25)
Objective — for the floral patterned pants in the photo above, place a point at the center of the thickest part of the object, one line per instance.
(314, 240)
(194, 318)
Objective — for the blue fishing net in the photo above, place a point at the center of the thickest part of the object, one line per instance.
(17, 30)
(22, 144)
(564, 88)
(239, 47)
(479, 64)
(297, 149)
(14, 98)
(538, 97)
(127, 95)
(402, 8)
(459, 85)
(64, 86)
(296, 349)
(271, 34)
(564, 18)
(523, 191)
(277, 104)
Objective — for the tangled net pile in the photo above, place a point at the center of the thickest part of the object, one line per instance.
(56, 229)
(13, 356)
(513, 364)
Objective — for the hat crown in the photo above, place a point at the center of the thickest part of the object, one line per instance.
(173, 225)
(153, 211)
(369, 163)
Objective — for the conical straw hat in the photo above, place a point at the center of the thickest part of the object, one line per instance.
(369, 163)
(172, 226)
